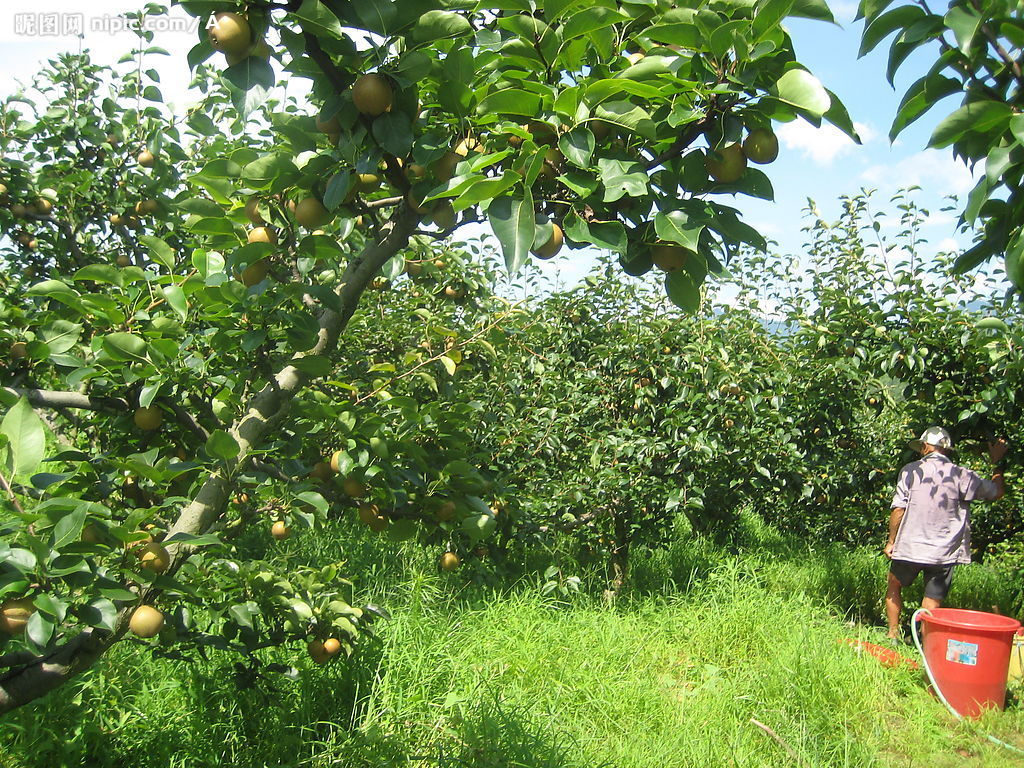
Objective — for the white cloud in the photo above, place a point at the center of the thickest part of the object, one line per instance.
(822, 145)
(767, 228)
(844, 11)
(945, 219)
(933, 170)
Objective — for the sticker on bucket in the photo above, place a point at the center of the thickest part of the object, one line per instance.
(960, 652)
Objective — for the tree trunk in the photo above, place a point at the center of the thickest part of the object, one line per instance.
(618, 562)
(24, 684)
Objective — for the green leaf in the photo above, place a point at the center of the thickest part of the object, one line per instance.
(964, 21)
(610, 235)
(898, 18)
(251, 81)
(68, 529)
(486, 189)
(113, 591)
(512, 222)
(313, 499)
(682, 33)
(221, 445)
(243, 614)
(648, 68)
(101, 613)
(622, 178)
(393, 131)
(478, 527)
(200, 53)
(578, 146)
(208, 263)
(588, 20)
(159, 251)
(510, 101)
(314, 365)
(812, 9)
(26, 437)
(54, 289)
(379, 446)
(176, 300)
(627, 115)
(448, 363)
(337, 189)
(768, 15)
(39, 630)
(919, 98)
(683, 291)
(200, 206)
(802, 89)
(125, 347)
(149, 393)
(51, 607)
(973, 257)
(100, 273)
(1014, 260)
(315, 17)
(61, 335)
(992, 324)
(1017, 128)
(840, 118)
(263, 172)
(676, 227)
(438, 25)
(979, 116)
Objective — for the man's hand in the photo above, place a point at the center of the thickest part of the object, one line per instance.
(997, 449)
(887, 550)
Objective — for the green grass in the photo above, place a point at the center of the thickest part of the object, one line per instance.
(677, 675)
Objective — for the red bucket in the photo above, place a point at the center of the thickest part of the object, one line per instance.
(968, 655)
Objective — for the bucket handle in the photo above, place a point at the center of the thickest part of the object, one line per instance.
(935, 686)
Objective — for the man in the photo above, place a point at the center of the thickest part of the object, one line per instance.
(929, 527)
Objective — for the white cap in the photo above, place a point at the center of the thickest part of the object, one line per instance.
(935, 436)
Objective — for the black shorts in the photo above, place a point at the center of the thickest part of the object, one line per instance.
(937, 578)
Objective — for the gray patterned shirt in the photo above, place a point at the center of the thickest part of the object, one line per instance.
(936, 493)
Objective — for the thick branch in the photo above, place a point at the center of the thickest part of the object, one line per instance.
(339, 78)
(186, 418)
(23, 685)
(686, 138)
(52, 398)
(270, 403)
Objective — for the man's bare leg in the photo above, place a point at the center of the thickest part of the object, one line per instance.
(894, 605)
(929, 603)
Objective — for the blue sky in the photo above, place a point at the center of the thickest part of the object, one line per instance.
(818, 164)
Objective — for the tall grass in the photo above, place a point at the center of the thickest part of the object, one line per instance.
(719, 658)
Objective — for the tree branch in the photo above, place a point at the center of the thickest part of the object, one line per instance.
(10, 493)
(685, 139)
(188, 420)
(384, 202)
(339, 78)
(1011, 62)
(24, 684)
(52, 398)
